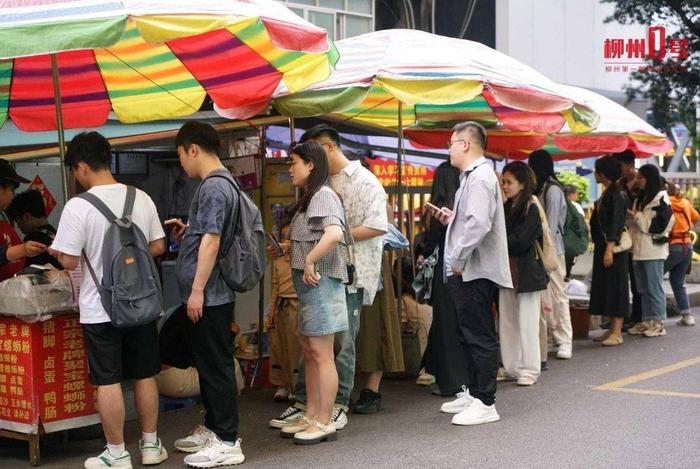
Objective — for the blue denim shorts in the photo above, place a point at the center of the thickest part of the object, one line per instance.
(321, 310)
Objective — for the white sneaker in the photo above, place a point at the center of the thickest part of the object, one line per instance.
(463, 401)
(215, 454)
(564, 352)
(196, 441)
(107, 460)
(686, 320)
(503, 376)
(655, 330)
(290, 416)
(339, 418)
(152, 453)
(476, 414)
(526, 381)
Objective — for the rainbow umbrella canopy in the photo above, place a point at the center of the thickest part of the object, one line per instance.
(150, 60)
(436, 81)
(619, 129)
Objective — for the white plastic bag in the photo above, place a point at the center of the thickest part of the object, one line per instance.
(32, 296)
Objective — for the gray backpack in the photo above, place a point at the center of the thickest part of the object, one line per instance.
(243, 261)
(130, 289)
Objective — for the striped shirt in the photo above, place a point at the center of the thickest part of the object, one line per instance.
(306, 230)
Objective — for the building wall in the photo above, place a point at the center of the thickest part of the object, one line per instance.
(564, 39)
(342, 18)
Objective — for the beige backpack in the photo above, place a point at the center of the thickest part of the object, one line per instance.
(547, 251)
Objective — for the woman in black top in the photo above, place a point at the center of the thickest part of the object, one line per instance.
(609, 288)
(519, 308)
(443, 345)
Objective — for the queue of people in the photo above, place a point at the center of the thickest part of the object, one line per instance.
(498, 294)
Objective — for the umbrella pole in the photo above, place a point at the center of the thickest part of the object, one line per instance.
(292, 132)
(259, 367)
(399, 195)
(59, 127)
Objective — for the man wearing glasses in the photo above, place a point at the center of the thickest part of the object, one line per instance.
(476, 264)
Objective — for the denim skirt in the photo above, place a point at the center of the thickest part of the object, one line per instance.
(321, 310)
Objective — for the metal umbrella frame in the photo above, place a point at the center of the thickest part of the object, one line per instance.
(399, 79)
(70, 64)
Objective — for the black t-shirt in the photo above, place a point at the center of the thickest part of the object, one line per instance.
(44, 235)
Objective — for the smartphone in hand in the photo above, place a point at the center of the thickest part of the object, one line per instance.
(274, 245)
(435, 208)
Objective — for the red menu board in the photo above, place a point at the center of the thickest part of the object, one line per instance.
(44, 376)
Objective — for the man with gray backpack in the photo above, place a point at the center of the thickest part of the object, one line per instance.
(221, 253)
(112, 232)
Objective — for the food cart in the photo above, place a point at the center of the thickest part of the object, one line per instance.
(44, 384)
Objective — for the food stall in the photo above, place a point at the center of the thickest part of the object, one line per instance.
(44, 384)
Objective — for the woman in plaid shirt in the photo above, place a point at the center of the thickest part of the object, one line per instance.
(319, 271)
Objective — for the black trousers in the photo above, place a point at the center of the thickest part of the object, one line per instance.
(476, 331)
(636, 297)
(209, 344)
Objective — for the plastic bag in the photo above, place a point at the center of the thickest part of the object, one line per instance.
(30, 297)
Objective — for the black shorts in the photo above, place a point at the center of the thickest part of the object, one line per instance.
(115, 354)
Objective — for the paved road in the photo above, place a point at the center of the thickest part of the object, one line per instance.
(562, 422)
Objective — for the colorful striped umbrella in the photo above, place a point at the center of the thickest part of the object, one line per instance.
(438, 81)
(151, 59)
(619, 129)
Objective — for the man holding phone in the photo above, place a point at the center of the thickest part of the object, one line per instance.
(208, 302)
(476, 264)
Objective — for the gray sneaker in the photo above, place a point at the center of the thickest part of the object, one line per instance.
(196, 441)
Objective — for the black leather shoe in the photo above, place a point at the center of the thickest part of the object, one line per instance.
(544, 366)
(368, 403)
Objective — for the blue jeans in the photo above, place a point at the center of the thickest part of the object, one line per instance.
(321, 310)
(649, 276)
(344, 356)
(677, 263)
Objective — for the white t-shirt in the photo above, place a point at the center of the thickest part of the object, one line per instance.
(82, 227)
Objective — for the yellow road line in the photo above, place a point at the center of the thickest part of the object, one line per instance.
(652, 392)
(616, 385)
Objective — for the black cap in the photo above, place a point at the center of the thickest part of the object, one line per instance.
(8, 173)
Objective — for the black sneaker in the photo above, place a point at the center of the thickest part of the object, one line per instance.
(544, 366)
(368, 403)
(290, 416)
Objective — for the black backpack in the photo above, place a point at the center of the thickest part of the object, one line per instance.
(659, 224)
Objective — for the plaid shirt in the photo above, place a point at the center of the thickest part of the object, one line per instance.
(306, 231)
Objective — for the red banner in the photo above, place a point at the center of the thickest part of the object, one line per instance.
(44, 374)
(413, 175)
(49, 201)
(17, 399)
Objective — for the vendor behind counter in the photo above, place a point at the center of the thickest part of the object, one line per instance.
(29, 213)
(12, 250)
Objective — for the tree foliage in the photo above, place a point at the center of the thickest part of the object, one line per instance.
(581, 183)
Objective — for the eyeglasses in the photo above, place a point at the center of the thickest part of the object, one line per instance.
(450, 142)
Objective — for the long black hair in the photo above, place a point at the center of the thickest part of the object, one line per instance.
(653, 186)
(445, 185)
(311, 152)
(516, 208)
(540, 161)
